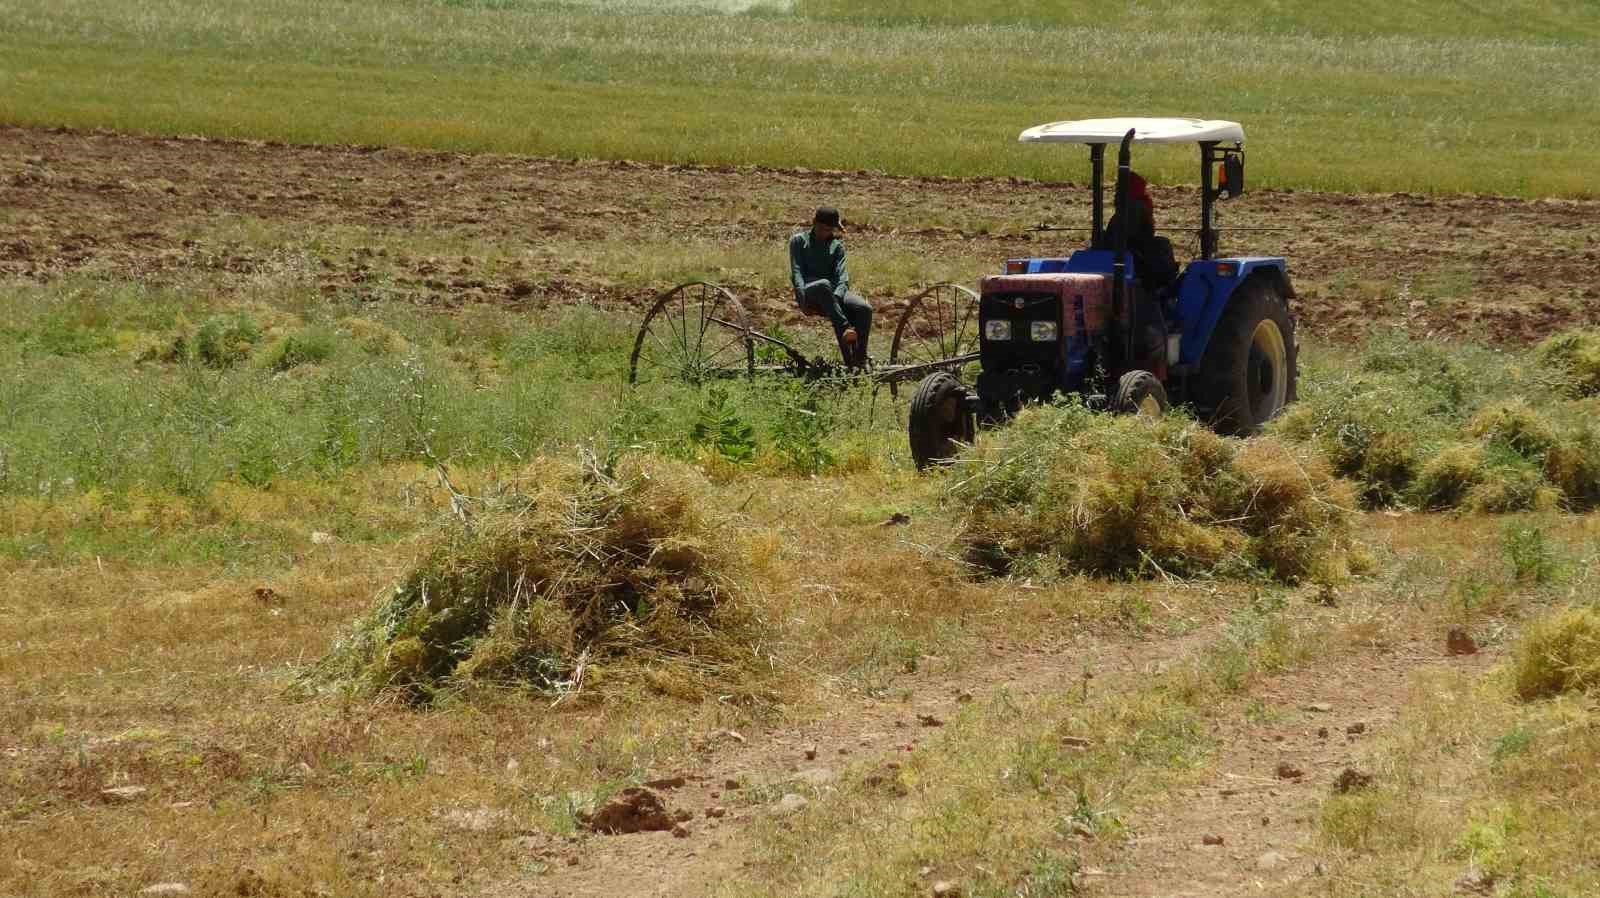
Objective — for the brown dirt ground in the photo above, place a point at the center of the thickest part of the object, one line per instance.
(1265, 821)
(72, 201)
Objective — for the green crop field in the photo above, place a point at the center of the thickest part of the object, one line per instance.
(1368, 96)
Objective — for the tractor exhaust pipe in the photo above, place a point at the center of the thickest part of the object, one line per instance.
(1119, 246)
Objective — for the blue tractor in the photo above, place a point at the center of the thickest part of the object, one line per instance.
(1117, 322)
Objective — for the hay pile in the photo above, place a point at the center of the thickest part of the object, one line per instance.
(1576, 355)
(568, 581)
(1558, 653)
(1417, 426)
(1064, 490)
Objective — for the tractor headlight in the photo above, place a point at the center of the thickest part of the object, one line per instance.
(997, 329)
(1042, 331)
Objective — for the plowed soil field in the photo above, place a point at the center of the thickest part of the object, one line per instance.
(167, 210)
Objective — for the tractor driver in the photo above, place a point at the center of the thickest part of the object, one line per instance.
(1153, 258)
(1155, 264)
(822, 286)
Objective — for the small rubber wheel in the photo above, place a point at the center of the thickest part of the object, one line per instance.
(1247, 374)
(938, 425)
(1140, 393)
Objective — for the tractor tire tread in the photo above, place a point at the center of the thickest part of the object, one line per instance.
(933, 441)
(1220, 389)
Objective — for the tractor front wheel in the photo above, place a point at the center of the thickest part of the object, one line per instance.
(938, 423)
(1140, 393)
(1247, 374)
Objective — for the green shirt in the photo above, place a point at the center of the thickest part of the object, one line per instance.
(813, 260)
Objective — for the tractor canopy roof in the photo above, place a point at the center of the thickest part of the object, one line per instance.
(1145, 130)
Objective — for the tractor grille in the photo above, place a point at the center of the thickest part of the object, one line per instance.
(1020, 353)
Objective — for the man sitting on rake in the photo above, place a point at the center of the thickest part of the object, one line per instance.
(822, 286)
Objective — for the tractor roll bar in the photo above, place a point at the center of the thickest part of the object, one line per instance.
(1208, 234)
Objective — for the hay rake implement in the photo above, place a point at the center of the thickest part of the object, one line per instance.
(699, 332)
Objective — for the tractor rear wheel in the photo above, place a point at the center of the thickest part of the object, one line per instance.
(1247, 374)
(1140, 393)
(938, 424)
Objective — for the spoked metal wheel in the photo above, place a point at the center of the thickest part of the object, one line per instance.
(695, 332)
(940, 323)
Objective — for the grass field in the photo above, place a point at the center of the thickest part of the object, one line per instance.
(337, 557)
(202, 491)
(1382, 97)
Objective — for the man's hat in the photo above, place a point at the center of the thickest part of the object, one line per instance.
(829, 216)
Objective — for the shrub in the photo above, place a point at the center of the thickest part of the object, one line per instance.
(1065, 489)
(1529, 553)
(806, 417)
(221, 341)
(719, 428)
(565, 581)
(1558, 653)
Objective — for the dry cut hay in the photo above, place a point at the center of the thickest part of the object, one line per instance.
(1558, 653)
(570, 580)
(1576, 355)
(1067, 490)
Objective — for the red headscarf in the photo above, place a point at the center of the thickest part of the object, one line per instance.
(1139, 190)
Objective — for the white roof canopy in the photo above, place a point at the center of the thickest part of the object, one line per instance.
(1145, 130)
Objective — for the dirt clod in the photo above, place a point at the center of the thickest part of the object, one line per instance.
(730, 784)
(944, 889)
(1351, 780)
(1287, 771)
(630, 811)
(928, 720)
(1460, 642)
(671, 782)
(715, 812)
(679, 831)
(811, 753)
(1356, 729)
(1211, 839)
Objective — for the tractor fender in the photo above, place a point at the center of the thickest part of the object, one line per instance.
(1205, 289)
